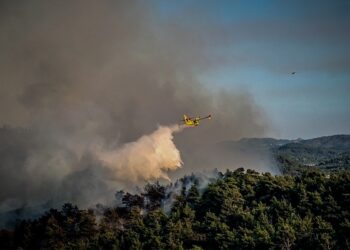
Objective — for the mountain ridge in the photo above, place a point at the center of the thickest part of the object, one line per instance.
(329, 153)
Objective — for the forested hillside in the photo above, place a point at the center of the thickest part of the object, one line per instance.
(327, 153)
(239, 210)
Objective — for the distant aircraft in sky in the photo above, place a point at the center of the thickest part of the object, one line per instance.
(193, 121)
(293, 73)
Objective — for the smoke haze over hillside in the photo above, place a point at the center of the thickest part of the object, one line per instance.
(85, 79)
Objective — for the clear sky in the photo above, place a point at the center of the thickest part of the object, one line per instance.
(267, 41)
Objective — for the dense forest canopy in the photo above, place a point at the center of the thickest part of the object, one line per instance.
(239, 210)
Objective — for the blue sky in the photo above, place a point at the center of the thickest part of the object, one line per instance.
(266, 41)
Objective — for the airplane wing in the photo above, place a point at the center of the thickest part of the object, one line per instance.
(207, 117)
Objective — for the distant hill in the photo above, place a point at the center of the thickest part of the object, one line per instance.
(328, 153)
(338, 142)
(256, 142)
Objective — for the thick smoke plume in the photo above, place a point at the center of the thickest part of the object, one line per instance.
(148, 158)
(82, 80)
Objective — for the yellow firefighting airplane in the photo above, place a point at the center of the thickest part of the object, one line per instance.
(193, 121)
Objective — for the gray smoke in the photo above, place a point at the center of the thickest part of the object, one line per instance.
(78, 74)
